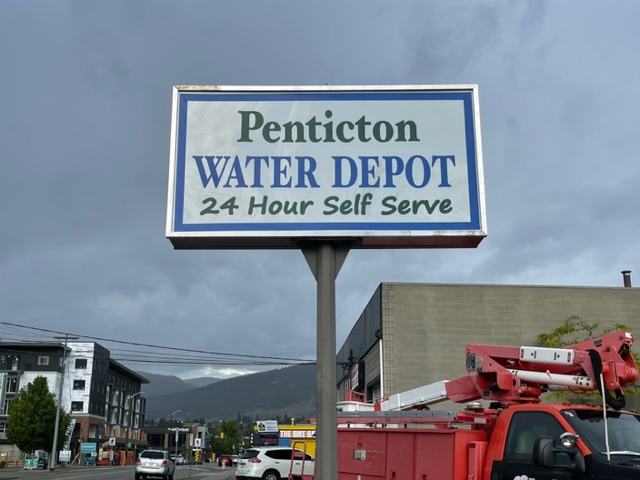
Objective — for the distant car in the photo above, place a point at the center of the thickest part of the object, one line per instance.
(234, 459)
(273, 463)
(178, 460)
(155, 463)
(225, 459)
(43, 462)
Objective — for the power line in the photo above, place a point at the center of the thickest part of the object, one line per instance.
(246, 359)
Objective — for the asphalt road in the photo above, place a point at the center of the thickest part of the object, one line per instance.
(183, 472)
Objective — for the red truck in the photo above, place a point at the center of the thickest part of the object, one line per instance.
(515, 436)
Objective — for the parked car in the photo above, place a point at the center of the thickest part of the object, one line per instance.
(234, 459)
(225, 459)
(155, 463)
(273, 463)
(42, 459)
(177, 459)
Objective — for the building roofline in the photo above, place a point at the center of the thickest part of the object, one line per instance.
(35, 344)
(119, 367)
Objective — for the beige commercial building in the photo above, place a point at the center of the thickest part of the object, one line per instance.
(411, 335)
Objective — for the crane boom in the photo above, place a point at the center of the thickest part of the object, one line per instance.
(510, 374)
(521, 374)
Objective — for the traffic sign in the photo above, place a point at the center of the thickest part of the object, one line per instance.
(198, 442)
(112, 441)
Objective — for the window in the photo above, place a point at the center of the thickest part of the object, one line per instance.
(78, 384)
(12, 362)
(81, 363)
(77, 406)
(43, 359)
(12, 384)
(525, 427)
(280, 454)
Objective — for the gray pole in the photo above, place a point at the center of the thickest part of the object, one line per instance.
(176, 439)
(54, 449)
(325, 260)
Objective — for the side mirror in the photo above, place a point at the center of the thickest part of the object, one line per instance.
(567, 455)
(543, 452)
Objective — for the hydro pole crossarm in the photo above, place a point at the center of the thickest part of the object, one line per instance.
(510, 374)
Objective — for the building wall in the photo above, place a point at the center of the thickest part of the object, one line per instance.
(426, 327)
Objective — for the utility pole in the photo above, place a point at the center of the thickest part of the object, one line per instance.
(54, 450)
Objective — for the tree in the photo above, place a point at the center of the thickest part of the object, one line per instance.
(225, 438)
(32, 417)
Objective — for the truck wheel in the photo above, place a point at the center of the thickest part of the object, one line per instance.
(271, 475)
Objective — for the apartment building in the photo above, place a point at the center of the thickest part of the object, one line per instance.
(103, 397)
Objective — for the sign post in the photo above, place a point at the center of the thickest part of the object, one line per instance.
(325, 169)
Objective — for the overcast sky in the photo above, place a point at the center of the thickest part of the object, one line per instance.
(84, 148)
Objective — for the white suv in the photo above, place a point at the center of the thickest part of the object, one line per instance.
(155, 463)
(273, 463)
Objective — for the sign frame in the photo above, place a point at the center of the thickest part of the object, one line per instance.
(185, 233)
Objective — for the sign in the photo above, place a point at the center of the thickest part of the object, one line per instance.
(382, 166)
(65, 456)
(112, 441)
(88, 447)
(267, 426)
(68, 434)
(191, 439)
(178, 429)
(297, 434)
(197, 442)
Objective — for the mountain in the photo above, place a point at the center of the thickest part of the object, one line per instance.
(201, 381)
(163, 384)
(287, 391)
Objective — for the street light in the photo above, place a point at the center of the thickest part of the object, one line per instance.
(171, 425)
(130, 422)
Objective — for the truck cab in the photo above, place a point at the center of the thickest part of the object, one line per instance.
(598, 443)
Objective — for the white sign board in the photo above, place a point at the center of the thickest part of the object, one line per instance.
(380, 166)
(267, 426)
(197, 442)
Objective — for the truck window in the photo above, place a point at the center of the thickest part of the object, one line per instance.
(525, 427)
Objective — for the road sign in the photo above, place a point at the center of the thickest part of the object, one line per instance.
(198, 442)
(88, 447)
(112, 441)
(191, 439)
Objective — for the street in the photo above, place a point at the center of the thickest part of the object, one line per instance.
(209, 471)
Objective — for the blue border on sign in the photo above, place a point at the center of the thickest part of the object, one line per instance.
(466, 96)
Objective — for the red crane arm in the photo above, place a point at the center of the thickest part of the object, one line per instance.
(510, 374)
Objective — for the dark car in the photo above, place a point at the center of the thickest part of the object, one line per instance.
(225, 459)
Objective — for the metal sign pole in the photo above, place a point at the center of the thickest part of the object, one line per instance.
(325, 260)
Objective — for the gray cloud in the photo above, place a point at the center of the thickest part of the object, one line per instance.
(84, 144)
